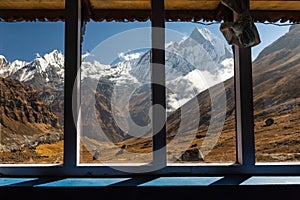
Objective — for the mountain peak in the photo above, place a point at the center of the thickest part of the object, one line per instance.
(215, 47)
(197, 35)
(3, 61)
(2, 57)
(202, 35)
(53, 58)
(54, 53)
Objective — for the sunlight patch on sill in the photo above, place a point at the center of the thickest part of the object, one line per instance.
(271, 180)
(113, 164)
(31, 165)
(277, 163)
(200, 164)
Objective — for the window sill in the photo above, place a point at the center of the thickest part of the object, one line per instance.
(151, 187)
(149, 181)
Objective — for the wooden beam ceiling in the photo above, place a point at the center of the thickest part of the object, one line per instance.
(32, 4)
(193, 4)
(120, 10)
(145, 4)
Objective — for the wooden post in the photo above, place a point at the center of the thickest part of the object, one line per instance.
(158, 81)
(244, 104)
(72, 65)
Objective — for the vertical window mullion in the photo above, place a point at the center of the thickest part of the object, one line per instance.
(158, 82)
(72, 65)
(244, 104)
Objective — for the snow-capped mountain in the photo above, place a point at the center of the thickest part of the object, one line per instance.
(192, 65)
(47, 70)
(216, 48)
(7, 68)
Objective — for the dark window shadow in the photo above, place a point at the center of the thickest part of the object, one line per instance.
(37, 181)
(231, 180)
(135, 181)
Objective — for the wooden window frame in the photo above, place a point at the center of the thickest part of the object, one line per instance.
(245, 145)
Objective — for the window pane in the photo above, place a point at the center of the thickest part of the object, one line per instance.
(116, 93)
(276, 94)
(200, 95)
(31, 93)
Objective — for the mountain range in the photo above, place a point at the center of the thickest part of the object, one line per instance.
(276, 100)
(184, 69)
(193, 65)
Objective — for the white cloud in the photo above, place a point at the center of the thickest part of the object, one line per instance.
(127, 57)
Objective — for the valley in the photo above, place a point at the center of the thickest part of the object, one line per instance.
(32, 106)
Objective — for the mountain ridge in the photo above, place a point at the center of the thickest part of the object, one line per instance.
(25, 118)
(276, 98)
(47, 71)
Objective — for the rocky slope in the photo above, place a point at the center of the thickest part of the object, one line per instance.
(26, 121)
(276, 101)
(276, 110)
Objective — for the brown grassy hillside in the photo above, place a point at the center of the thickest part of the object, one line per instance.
(26, 123)
(276, 100)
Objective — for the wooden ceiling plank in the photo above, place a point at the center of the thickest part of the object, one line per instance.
(191, 5)
(274, 5)
(32, 4)
(283, 1)
(139, 5)
(169, 4)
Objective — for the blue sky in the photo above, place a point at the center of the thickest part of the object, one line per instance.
(23, 40)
